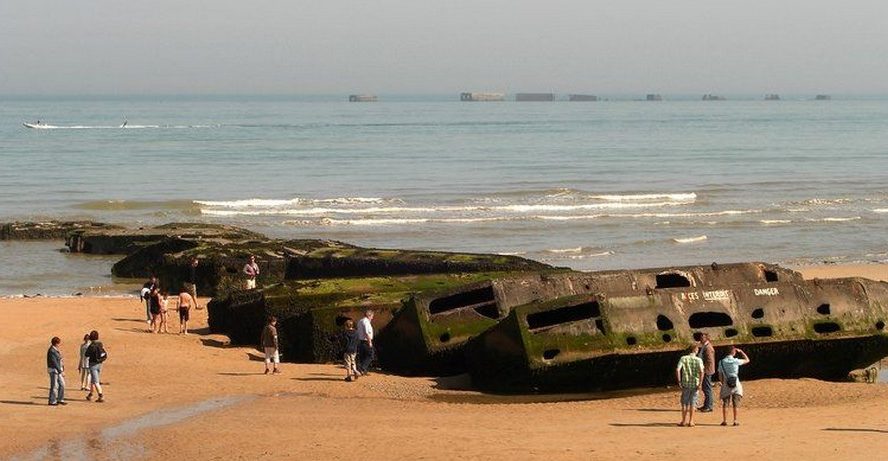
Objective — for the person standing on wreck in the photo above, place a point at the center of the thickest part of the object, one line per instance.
(251, 270)
(365, 342)
(707, 353)
(689, 374)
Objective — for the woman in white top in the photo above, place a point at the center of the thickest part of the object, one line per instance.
(83, 365)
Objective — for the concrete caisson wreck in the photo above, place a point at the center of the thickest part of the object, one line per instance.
(631, 331)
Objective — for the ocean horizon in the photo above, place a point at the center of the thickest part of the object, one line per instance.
(589, 185)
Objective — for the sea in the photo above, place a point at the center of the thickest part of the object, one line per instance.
(618, 183)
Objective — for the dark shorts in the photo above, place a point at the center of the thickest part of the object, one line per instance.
(183, 315)
(155, 310)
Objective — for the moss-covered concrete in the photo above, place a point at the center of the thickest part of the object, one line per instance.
(49, 230)
(552, 346)
(311, 312)
(127, 241)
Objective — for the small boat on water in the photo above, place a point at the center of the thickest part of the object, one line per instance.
(36, 126)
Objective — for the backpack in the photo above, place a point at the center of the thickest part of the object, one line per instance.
(98, 353)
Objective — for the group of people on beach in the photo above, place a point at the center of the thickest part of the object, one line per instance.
(356, 343)
(92, 356)
(156, 302)
(695, 372)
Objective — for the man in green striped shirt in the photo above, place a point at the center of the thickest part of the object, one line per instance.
(689, 374)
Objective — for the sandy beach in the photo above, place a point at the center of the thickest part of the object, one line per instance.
(194, 397)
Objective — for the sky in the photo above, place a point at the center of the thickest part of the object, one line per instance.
(429, 46)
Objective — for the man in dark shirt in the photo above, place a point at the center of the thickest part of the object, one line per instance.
(269, 343)
(56, 369)
(707, 353)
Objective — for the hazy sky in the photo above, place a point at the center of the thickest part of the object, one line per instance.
(418, 46)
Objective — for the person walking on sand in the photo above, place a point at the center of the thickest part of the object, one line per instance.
(251, 270)
(83, 366)
(689, 374)
(96, 356)
(269, 341)
(155, 310)
(147, 288)
(707, 353)
(350, 350)
(729, 377)
(164, 316)
(365, 342)
(56, 368)
(186, 302)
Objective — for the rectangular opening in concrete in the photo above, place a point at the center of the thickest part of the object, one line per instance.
(709, 320)
(827, 327)
(567, 314)
(672, 280)
(482, 300)
(762, 332)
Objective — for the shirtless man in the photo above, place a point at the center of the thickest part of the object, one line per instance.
(186, 302)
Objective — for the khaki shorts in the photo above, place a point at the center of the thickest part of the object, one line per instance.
(733, 399)
(251, 284)
(272, 355)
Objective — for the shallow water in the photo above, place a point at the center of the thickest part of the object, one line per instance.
(112, 444)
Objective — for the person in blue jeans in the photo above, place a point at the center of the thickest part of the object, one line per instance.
(56, 368)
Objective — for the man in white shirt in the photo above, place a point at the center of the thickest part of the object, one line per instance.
(365, 342)
(251, 270)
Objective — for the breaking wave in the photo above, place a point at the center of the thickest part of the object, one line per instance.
(696, 239)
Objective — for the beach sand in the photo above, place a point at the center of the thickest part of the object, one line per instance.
(193, 397)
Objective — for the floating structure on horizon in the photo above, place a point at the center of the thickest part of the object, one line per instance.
(772, 97)
(582, 97)
(362, 98)
(822, 97)
(534, 97)
(714, 97)
(653, 97)
(482, 97)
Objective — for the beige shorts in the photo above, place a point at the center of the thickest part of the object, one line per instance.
(251, 284)
(733, 399)
(272, 355)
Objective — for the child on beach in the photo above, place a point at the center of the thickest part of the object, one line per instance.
(163, 313)
(350, 350)
(186, 302)
(83, 367)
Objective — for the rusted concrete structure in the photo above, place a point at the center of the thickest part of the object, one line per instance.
(535, 97)
(429, 335)
(582, 97)
(630, 330)
(483, 97)
(362, 98)
(772, 97)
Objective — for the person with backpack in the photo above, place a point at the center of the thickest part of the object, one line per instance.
(96, 356)
(729, 377)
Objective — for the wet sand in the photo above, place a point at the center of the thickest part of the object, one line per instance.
(193, 397)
